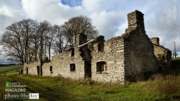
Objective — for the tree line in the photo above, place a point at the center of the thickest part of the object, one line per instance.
(28, 40)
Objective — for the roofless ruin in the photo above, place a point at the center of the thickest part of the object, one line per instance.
(116, 60)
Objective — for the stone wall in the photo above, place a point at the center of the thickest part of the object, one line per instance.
(73, 63)
(31, 68)
(163, 55)
(111, 59)
(155, 40)
(138, 54)
(138, 50)
(46, 69)
(61, 65)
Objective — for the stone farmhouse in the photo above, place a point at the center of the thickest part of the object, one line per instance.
(115, 60)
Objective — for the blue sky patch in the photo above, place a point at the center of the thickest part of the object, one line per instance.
(72, 3)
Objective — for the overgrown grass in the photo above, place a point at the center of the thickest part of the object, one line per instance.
(168, 85)
(68, 90)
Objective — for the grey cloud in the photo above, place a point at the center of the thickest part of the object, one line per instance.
(51, 10)
(10, 12)
(107, 23)
(163, 23)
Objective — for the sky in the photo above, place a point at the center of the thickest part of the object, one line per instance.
(161, 17)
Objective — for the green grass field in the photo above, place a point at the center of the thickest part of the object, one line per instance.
(176, 61)
(158, 88)
(9, 68)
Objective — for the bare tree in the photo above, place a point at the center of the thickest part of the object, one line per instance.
(28, 31)
(12, 46)
(49, 38)
(59, 40)
(16, 40)
(43, 29)
(28, 40)
(35, 40)
(76, 25)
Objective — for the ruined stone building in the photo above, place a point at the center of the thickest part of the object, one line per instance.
(113, 61)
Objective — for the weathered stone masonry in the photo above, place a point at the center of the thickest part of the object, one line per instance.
(163, 55)
(113, 61)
